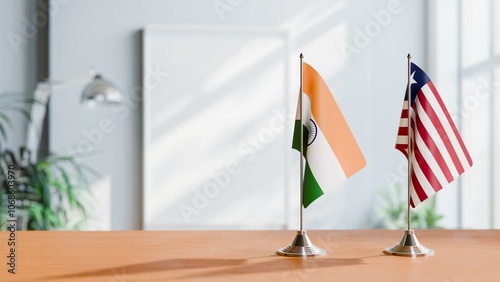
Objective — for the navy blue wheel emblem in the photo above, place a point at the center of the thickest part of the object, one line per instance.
(313, 132)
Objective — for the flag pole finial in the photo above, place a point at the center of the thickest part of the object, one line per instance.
(409, 56)
(301, 56)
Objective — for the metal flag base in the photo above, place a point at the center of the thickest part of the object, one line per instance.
(409, 247)
(301, 247)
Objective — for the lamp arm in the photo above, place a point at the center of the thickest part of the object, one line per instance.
(38, 110)
(72, 81)
(98, 88)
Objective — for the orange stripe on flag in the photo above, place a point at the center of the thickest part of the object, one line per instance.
(332, 123)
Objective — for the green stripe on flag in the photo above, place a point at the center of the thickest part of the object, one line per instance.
(296, 135)
(312, 190)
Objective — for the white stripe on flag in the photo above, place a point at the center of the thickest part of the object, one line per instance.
(449, 131)
(430, 160)
(306, 110)
(403, 122)
(321, 159)
(422, 179)
(414, 196)
(324, 164)
(424, 118)
(402, 139)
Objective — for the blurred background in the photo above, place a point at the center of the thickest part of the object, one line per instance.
(201, 138)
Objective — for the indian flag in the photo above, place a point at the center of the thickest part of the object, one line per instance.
(331, 152)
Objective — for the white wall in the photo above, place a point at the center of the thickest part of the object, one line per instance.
(368, 86)
(17, 57)
(444, 65)
(464, 64)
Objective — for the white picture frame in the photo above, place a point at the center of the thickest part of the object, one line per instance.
(216, 129)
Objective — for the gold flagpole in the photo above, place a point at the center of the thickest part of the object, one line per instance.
(301, 245)
(409, 246)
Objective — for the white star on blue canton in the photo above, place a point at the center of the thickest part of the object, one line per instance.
(412, 81)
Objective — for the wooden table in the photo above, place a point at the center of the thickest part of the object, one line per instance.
(354, 255)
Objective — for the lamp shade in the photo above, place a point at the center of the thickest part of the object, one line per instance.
(101, 90)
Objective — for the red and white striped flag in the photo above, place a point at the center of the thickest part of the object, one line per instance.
(438, 154)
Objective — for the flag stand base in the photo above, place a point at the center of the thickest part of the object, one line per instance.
(301, 247)
(409, 247)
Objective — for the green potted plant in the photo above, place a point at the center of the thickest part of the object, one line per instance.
(49, 192)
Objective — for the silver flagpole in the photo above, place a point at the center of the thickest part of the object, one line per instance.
(409, 245)
(301, 245)
(408, 90)
(302, 156)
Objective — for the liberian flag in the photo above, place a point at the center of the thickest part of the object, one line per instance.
(438, 154)
(331, 152)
